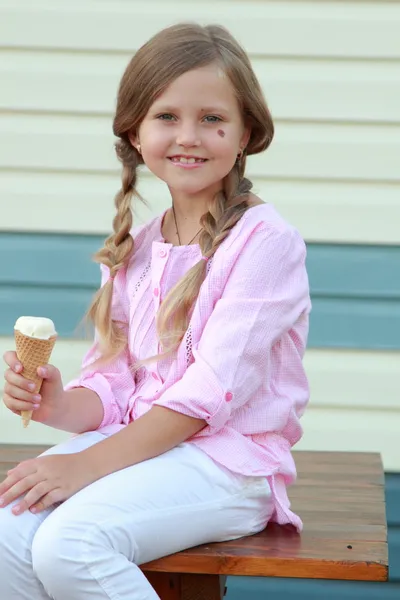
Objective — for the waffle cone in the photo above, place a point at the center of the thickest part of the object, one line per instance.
(32, 353)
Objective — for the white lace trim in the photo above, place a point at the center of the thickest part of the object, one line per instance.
(188, 335)
(142, 278)
(188, 346)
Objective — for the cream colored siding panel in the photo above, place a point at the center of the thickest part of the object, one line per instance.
(329, 29)
(353, 379)
(347, 91)
(83, 203)
(330, 71)
(354, 431)
(306, 151)
(71, 202)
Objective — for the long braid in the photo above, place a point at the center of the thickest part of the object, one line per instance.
(225, 210)
(115, 253)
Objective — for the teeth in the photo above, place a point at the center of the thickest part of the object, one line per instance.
(188, 161)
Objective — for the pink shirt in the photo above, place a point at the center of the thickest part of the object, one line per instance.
(239, 366)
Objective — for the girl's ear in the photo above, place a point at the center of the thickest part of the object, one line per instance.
(134, 140)
(244, 140)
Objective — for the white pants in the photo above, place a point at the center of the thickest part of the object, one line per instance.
(90, 545)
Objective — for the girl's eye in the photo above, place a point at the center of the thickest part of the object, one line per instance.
(165, 117)
(212, 119)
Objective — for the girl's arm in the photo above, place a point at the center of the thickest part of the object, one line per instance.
(156, 432)
(80, 410)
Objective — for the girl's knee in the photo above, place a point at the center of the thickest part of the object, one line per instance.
(53, 555)
(63, 557)
(16, 533)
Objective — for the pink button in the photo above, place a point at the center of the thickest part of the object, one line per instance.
(156, 291)
(163, 253)
(228, 396)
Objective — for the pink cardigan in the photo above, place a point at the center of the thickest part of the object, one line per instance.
(239, 366)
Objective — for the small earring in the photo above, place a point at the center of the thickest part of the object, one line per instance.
(240, 155)
(138, 148)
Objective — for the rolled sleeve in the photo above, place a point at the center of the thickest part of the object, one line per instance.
(266, 293)
(113, 382)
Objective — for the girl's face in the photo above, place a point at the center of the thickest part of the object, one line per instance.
(193, 132)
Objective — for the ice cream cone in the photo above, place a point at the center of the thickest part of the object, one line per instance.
(32, 353)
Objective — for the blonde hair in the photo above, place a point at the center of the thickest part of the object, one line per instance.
(169, 54)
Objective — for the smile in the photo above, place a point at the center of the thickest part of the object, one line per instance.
(184, 160)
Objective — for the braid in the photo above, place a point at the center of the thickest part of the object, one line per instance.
(225, 210)
(115, 253)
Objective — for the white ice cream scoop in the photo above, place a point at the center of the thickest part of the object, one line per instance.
(36, 327)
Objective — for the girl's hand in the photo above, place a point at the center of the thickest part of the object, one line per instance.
(45, 480)
(18, 395)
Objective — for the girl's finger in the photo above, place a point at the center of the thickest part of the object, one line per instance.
(33, 496)
(19, 381)
(8, 482)
(10, 358)
(15, 491)
(17, 405)
(53, 497)
(18, 394)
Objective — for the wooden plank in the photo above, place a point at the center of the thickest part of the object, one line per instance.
(330, 493)
(358, 567)
(167, 585)
(205, 587)
(349, 532)
(175, 586)
(356, 516)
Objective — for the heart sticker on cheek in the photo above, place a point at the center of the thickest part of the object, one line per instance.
(221, 133)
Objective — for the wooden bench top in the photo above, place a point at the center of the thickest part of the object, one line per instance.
(339, 496)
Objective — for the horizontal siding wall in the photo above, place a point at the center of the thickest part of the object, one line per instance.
(332, 169)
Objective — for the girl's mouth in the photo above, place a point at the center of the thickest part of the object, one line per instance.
(187, 162)
(190, 160)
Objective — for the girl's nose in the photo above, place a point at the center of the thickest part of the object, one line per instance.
(188, 136)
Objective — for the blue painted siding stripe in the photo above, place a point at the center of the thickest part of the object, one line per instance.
(65, 306)
(333, 324)
(354, 271)
(392, 487)
(335, 270)
(355, 289)
(49, 259)
(371, 324)
(255, 588)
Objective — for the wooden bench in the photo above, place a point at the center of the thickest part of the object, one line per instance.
(340, 497)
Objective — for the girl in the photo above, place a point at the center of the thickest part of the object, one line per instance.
(189, 400)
